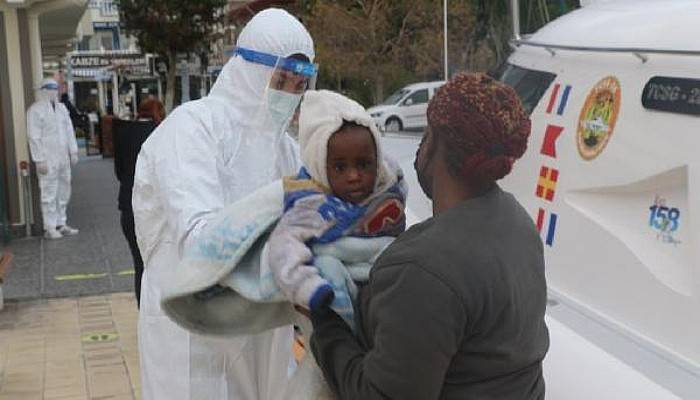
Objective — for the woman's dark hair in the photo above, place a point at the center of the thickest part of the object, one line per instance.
(482, 124)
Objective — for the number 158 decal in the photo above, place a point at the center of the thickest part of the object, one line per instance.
(664, 218)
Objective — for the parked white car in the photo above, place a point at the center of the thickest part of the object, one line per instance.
(406, 108)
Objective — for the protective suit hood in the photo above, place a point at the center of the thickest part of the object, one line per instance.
(48, 91)
(241, 83)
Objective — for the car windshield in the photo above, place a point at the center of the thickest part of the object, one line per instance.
(394, 98)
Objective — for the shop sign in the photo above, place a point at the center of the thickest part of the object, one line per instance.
(136, 64)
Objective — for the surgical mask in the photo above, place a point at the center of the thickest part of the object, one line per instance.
(48, 95)
(281, 106)
(53, 95)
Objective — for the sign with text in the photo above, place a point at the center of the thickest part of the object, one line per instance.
(676, 95)
(134, 64)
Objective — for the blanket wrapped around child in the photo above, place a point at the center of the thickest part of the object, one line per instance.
(222, 288)
(316, 218)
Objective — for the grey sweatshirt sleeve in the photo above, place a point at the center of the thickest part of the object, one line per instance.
(418, 323)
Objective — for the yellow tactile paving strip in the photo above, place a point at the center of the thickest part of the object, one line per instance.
(70, 349)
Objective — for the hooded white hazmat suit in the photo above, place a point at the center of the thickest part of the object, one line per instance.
(53, 149)
(208, 154)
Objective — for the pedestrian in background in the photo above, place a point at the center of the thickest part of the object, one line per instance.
(128, 138)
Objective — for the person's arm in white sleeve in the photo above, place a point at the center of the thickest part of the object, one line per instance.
(185, 174)
(145, 203)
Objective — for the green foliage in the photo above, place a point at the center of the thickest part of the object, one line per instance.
(166, 26)
(371, 47)
(171, 27)
(493, 29)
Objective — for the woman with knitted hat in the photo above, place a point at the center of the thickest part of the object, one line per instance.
(454, 308)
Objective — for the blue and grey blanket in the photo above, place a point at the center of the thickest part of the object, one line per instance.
(220, 288)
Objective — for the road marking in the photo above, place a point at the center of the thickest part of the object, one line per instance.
(79, 277)
(100, 275)
(99, 337)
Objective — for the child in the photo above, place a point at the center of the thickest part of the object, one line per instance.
(346, 189)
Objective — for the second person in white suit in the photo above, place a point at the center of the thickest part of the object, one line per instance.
(54, 150)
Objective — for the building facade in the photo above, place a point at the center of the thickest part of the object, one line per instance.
(106, 72)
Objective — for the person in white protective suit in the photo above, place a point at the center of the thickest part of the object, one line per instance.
(206, 155)
(54, 150)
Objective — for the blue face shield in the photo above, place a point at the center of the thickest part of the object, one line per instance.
(49, 86)
(289, 79)
(289, 74)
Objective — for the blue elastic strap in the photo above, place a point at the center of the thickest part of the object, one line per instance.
(50, 86)
(289, 64)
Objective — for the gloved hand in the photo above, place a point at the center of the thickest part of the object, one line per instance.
(42, 168)
(289, 256)
(73, 159)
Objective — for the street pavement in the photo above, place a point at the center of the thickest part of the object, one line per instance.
(96, 261)
(70, 349)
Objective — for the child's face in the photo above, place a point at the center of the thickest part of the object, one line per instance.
(351, 163)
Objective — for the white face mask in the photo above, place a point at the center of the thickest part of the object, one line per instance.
(281, 106)
(48, 95)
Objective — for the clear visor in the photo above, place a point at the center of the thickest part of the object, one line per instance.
(284, 81)
(49, 86)
(278, 83)
(288, 74)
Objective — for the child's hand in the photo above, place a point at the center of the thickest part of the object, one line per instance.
(289, 259)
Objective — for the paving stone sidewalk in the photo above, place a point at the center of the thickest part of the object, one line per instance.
(70, 349)
(96, 261)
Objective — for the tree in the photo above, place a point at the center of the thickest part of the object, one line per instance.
(493, 30)
(380, 44)
(170, 27)
(427, 42)
(365, 47)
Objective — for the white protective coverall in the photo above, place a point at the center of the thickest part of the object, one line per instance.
(208, 154)
(53, 149)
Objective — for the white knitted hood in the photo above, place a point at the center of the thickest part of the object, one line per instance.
(322, 114)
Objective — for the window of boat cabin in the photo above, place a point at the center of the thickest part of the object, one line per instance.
(530, 84)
